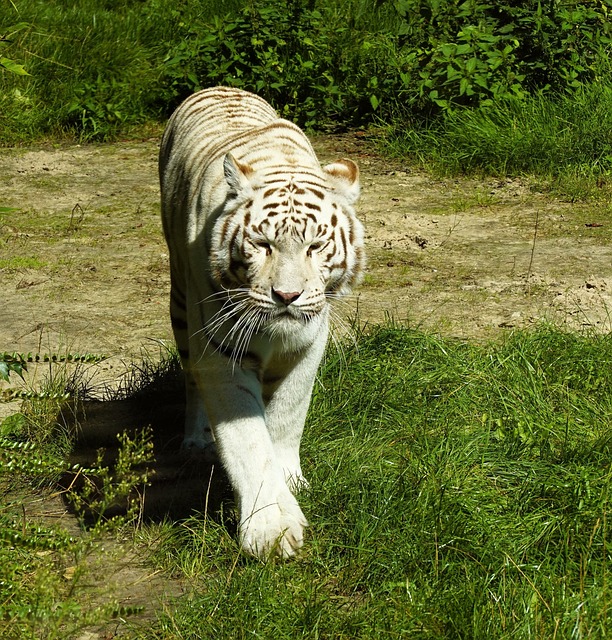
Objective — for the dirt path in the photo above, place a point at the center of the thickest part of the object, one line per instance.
(83, 265)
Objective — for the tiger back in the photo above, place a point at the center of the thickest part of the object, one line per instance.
(260, 238)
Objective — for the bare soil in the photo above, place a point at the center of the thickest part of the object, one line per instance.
(83, 265)
(84, 269)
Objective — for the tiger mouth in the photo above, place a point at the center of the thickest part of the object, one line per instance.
(291, 313)
(294, 314)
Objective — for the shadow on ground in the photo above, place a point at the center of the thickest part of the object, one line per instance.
(181, 483)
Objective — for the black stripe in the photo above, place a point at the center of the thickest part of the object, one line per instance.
(177, 298)
(178, 323)
(230, 353)
(248, 392)
(316, 192)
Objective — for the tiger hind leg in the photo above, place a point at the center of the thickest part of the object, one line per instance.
(198, 434)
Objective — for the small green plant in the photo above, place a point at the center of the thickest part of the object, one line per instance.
(55, 388)
(107, 498)
(6, 39)
(12, 363)
(43, 569)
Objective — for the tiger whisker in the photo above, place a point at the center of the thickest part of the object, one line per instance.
(245, 329)
(215, 324)
(227, 311)
(347, 334)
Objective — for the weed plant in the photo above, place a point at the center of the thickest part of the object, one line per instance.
(45, 572)
(457, 491)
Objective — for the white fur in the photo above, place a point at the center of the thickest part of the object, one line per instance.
(255, 338)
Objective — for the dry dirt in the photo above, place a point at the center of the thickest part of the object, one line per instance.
(83, 265)
(84, 268)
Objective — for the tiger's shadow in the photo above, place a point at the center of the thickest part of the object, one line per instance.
(180, 484)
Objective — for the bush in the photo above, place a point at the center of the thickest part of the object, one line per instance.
(98, 68)
(288, 52)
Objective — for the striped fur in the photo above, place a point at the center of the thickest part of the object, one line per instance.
(260, 238)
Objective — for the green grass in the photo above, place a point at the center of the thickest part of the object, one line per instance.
(17, 263)
(457, 491)
(100, 70)
(565, 140)
(97, 70)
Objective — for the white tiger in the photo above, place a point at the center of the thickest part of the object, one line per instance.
(260, 237)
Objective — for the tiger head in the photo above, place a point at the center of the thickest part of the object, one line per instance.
(288, 240)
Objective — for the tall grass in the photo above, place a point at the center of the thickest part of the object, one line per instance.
(542, 135)
(457, 491)
(91, 66)
(97, 68)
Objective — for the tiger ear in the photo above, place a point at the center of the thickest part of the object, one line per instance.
(345, 174)
(237, 175)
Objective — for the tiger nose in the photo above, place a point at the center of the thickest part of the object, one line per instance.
(285, 297)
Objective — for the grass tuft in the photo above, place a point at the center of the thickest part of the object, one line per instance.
(565, 140)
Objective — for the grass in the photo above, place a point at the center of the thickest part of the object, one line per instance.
(457, 491)
(566, 140)
(47, 589)
(97, 71)
(17, 263)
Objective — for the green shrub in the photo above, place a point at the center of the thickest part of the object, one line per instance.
(475, 53)
(283, 51)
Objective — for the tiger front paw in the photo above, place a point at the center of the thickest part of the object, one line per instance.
(273, 529)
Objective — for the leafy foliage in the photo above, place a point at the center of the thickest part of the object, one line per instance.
(280, 50)
(12, 363)
(6, 63)
(103, 488)
(322, 64)
(474, 53)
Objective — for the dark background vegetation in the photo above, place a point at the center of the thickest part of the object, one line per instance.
(512, 86)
